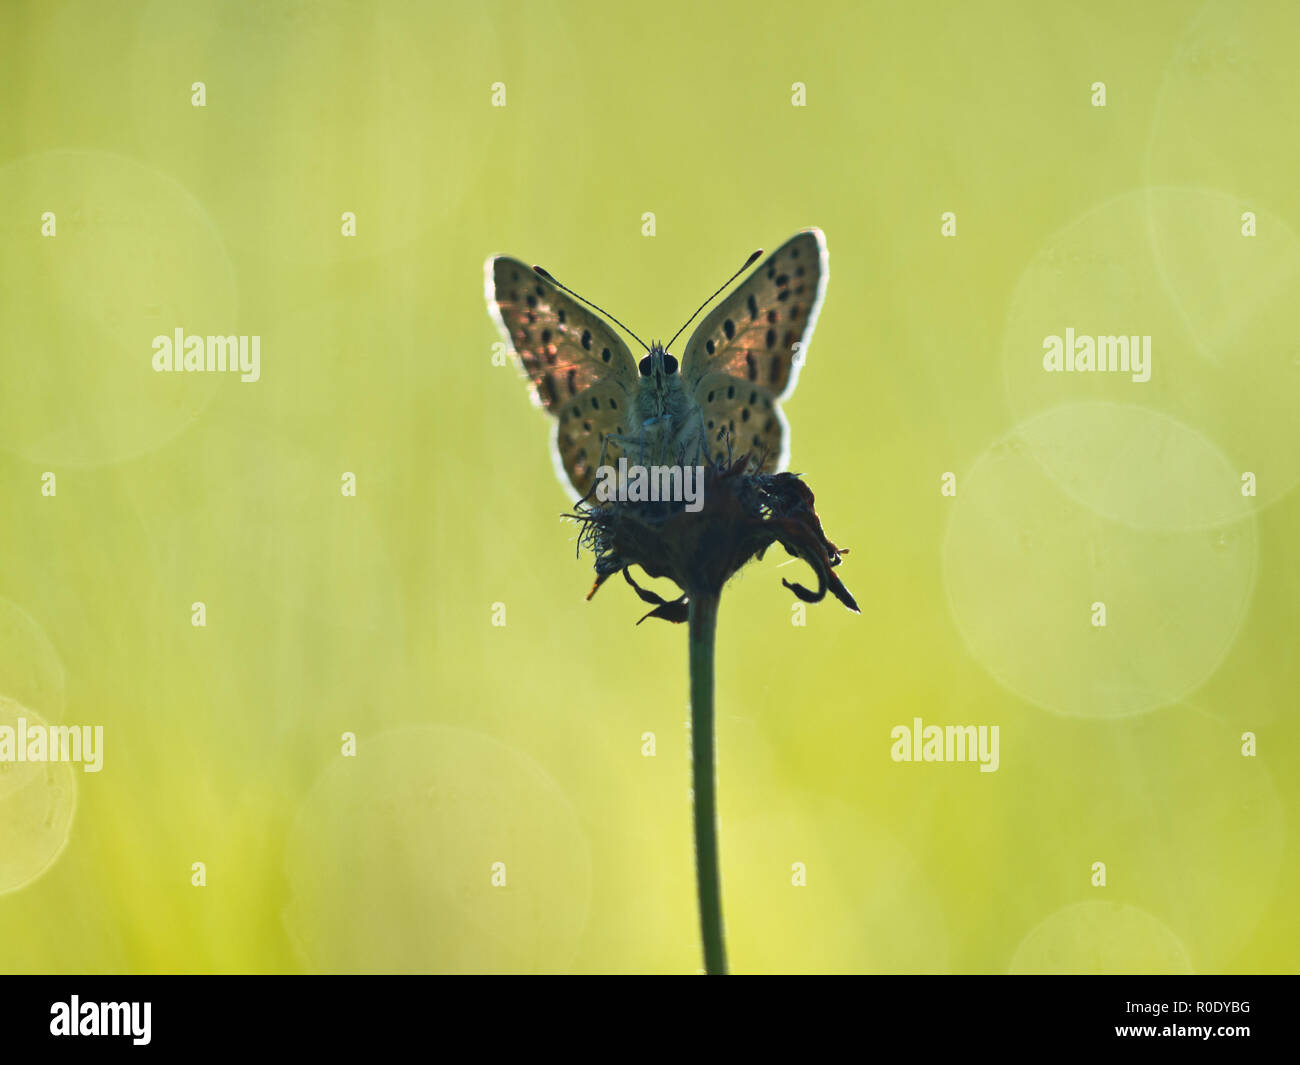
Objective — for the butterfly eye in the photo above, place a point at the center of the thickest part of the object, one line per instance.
(644, 366)
(670, 364)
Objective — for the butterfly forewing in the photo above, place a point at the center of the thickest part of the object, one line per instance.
(757, 339)
(580, 370)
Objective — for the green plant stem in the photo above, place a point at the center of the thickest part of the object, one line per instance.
(702, 623)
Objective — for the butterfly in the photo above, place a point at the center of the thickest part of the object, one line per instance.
(720, 402)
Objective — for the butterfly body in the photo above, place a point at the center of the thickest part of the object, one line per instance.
(719, 402)
(666, 428)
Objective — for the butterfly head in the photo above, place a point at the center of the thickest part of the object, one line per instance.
(658, 363)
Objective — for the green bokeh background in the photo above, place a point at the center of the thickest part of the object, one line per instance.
(522, 743)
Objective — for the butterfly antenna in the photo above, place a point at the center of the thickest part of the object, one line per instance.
(547, 274)
(748, 263)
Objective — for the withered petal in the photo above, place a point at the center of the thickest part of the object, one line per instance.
(797, 537)
(675, 611)
(601, 578)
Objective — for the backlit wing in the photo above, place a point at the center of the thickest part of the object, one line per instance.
(741, 417)
(746, 355)
(580, 433)
(580, 370)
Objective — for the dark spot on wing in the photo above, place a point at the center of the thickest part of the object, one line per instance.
(729, 327)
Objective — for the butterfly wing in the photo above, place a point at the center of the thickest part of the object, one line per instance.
(580, 370)
(741, 417)
(581, 429)
(746, 355)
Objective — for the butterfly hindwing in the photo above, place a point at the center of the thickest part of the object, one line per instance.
(580, 370)
(582, 423)
(741, 418)
(759, 336)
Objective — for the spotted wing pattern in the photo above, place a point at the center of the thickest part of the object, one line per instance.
(740, 418)
(746, 355)
(581, 372)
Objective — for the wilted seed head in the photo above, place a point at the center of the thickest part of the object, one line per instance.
(744, 512)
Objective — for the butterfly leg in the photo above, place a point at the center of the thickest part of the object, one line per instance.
(698, 438)
(650, 446)
(605, 441)
(689, 444)
(633, 447)
(656, 441)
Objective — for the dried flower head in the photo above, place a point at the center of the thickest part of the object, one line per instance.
(744, 512)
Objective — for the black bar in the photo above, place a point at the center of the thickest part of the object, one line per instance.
(342, 1013)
